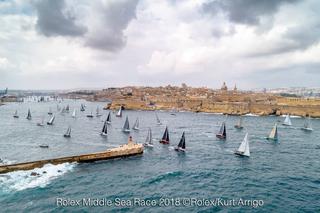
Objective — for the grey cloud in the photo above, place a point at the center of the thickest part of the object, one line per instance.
(244, 11)
(113, 18)
(55, 20)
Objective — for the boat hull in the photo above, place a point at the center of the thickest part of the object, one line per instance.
(164, 142)
(221, 136)
(307, 129)
(238, 127)
(179, 149)
(240, 154)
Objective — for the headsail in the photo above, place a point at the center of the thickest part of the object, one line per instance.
(287, 121)
(182, 143)
(307, 124)
(274, 133)
(136, 125)
(119, 113)
(244, 147)
(222, 134)
(148, 141)
(158, 119)
(109, 118)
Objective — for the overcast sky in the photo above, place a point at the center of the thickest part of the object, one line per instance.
(63, 44)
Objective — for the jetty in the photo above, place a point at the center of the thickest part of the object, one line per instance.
(126, 150)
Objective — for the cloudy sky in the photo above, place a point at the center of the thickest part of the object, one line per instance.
(63, 44)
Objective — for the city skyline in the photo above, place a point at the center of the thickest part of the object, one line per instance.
(67, 44)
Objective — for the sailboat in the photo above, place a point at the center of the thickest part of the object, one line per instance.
(104, 131)
(90, 115)
(119, 113)
(82, 108)
(307, 124)
(243, 149)
(98, 112)
(15, 115)
(67, 108)
(68, 133)
(50, 122)
(50, 111)
(158, 119)
(222, 134)
(126, 127)
(165, 138)
(41, 123)
(148, 142)
(287, 121)
(239, 124)
(274, 133)
(109, 118)
(74, 113)
(182, 144)
(136, 125)
(29, 115)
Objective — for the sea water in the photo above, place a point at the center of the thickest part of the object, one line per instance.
(281, 176)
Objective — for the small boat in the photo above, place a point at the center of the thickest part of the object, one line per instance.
(243, 149)
(50, 111)
(98, 112)
(136, 125)
(182, 144)
(126, 127)
(274, 133)
(15, 115)
(68, 133)
(287, 121)
(90, 115)
(109, 118)
(307, 124)
(82, 109)
(29, 115)
(165, 138)
(222, 134)
(158, 119)
(44, 146)
(104, 131)
(74, 113)
(148, 142)
(50, 122)
(41, 123)
(239, 124)
(119, 113)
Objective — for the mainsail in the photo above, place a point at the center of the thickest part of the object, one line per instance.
(244, 147)
(136, 125)
(119, 114)
(126, 127)
(50, 122)
(287, 121)
(182, 144)
(109, 118)
(74, 113)
(165, 138)
(104, 129)
(222, 134)
(274, 133)
(29, 115)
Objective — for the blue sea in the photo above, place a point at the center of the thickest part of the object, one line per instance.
(281, 176)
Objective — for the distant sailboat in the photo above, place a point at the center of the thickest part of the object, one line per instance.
(182, 144)
(68, 133)
(41, 123)
(239, 125)
(307, 124)
(158, 119)
(109, 118)
(136, 125)
(243, 149)
(90, 115)
(50, 111)
(119, 113)
(287, 121)
(74, 113)
(222, 134)
(50, 122)
(98, 112)
(29, 115)
(148, 142)
(126, 127)
(165, 138)
(274, 133)
(104, 131)
(67, 108)
(15, 115)
(82, 108)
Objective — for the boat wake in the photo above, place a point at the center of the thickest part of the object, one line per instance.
(39, 177)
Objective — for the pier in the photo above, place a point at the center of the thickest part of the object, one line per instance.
(118, 152)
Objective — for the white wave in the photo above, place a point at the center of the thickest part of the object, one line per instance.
(20, 180)
(252, 115)
(292, 116)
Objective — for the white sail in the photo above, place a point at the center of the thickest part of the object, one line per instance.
(274, 133)
(74, 113)
(307, 124)
(158, 120)
(119, 114)
(136, 124)
(149, 137)
(287, 121)
(244, 147)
